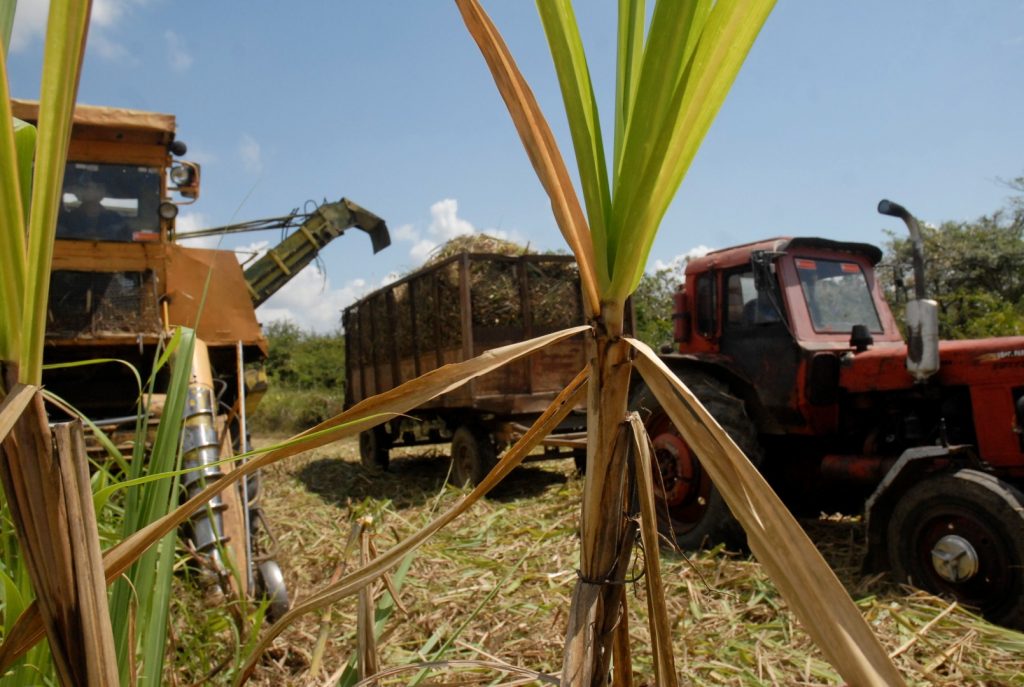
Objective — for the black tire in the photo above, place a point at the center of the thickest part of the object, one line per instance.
(374, 449)
(947, 510)
(473, 455)
(691, 510)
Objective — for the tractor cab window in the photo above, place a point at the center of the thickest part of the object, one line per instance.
(706, 303)
(837, 295)
(745, 306)
(103, 202)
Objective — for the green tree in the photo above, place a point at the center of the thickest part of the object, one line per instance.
(283, 337)
(300, 359)
(653, 306)
(975, 270)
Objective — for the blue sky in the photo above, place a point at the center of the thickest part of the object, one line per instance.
(388, 103)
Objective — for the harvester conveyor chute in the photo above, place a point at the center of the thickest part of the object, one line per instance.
(312, 232)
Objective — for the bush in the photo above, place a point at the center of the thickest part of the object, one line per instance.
(289, 411)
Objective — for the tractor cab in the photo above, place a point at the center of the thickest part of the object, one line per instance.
(782, 316)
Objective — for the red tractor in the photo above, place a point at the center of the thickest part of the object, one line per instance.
(790, 344)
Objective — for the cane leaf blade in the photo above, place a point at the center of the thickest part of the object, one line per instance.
(648, 182)
(570, 62)
(65, 44)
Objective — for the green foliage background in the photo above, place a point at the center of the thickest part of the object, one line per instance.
(975, 270)
(307, 379)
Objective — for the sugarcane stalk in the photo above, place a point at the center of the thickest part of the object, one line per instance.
(607, 535)
(46, 483)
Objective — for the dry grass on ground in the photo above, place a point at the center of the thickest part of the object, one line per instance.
(495, 587)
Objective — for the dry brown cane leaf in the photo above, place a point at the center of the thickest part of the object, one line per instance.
(806, 581)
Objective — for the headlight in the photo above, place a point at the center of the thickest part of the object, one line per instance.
(181, 175)
(168, 210)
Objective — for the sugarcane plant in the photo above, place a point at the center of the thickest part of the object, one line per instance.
(44, 475)
(672, 77)
(674, 71)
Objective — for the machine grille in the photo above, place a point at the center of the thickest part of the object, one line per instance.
(95, 304)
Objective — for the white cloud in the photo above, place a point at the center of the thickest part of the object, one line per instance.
(106, 13)
(177, 51)
(406, 232)
(193, 221)
(312, 303)
(445, 222)
(679, 262)
(108, 49)
(422, 250)
(251, 252)
(251, 153)
(29, 23)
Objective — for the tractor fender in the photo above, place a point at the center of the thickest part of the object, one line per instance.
(721, 368)
(912, 465)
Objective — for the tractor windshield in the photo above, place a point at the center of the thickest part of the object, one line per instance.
(837, 295)
(102, 202)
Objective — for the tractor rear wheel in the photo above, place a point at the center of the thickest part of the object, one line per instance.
(691, 509)
(473, 455)
(962, 534)
(374, 449)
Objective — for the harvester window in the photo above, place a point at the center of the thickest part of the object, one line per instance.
(109, 202)
(837, 295)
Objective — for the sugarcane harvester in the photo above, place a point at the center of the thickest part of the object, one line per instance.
(120, 282)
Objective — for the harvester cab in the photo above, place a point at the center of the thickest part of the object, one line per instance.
(120, 282)
(791, 345)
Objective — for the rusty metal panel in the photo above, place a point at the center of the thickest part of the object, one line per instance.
(227, 315)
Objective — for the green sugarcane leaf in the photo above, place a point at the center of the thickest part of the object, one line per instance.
(584, 122)
(630, 56)
(7, 11)
(15, 165)
(671, 42)
(25, 144)
(727, 38)
(65, 43)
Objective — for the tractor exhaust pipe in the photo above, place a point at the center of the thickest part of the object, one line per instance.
(922, 312)
(887, 207)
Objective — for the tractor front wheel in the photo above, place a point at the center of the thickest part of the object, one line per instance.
(962, 535)
(691, 509)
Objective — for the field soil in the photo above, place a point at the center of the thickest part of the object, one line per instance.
(493, 589)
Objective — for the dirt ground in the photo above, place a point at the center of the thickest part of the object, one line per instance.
(493, 588)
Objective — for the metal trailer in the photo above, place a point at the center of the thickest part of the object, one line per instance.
(453, 311)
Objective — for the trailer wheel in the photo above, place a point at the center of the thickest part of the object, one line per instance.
(473, 455)
(374, 449)
(962, 534)
(691, 509)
